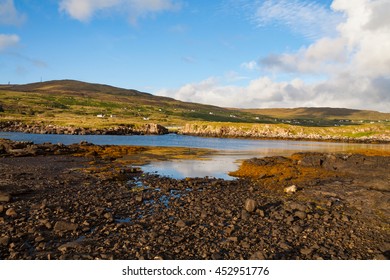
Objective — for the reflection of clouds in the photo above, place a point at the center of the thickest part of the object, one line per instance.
(215, 167)
(219, 166)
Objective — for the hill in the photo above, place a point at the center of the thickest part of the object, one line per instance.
(75, 103)
(320, 113)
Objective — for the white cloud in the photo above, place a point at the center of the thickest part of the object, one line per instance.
(7, 41)
(9, 15)
(250, 65)
(350, 69)
(84, 10)
(308, 18)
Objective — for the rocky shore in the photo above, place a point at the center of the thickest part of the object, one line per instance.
(54, 205)
(255, 132)
(15, 126)
(274, 132)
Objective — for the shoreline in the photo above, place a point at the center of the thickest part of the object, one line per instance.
(157, 129)
(94, 205)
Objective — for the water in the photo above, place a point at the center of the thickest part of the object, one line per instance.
(230, 151)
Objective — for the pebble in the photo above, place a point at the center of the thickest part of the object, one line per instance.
(62, 226)
(181, 224)
(257, 256)
(306, 251)
(11, 213)
(301, 215)
(250, 205)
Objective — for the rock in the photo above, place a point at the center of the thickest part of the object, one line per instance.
(290, 189)
(4, 240)
(257, 256)
(181, 224)
(296, 229)
(109, 216)
(306, 251)
(11, 213)
(250, 205)
(244, 214)
(62, 226)
(5, 197)
(301, 215)
(284, 246)
(69, 245)
(1, 208)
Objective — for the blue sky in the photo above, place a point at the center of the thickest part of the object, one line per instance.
(243, 53)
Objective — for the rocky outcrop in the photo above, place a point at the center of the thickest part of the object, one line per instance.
(273, 132)
(15, 126)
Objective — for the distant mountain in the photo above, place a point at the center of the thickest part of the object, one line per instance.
(70, 102)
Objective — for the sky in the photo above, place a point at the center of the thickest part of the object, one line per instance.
(231, 53)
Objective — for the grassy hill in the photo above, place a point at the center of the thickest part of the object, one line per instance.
(321, 113)
(68, 102)
(75, 103)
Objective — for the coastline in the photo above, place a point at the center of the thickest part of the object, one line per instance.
(266, 132)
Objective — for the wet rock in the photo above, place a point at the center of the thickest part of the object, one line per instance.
(250, 205)
(62, 226)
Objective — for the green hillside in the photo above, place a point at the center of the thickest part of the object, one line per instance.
(75, 103)
(68, 102)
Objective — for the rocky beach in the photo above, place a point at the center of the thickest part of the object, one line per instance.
(85, 202)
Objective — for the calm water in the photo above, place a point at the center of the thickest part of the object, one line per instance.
(230, 151)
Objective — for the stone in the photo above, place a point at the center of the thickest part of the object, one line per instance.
(180, 224)
(257, 256)
(62, 226)
(5, 197)
(300, 214)
(11, 213)
(250, 205)
(296, 229)
(290, 189)
(4, 240)
(306, 251)
(1, 208)
(244, 214)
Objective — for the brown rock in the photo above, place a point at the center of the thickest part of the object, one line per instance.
(11, 213)
(65, 226)
(257, 256)
(180, 223)
(250, 205)
(4, 240)
(5, 197)
(1, 208)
